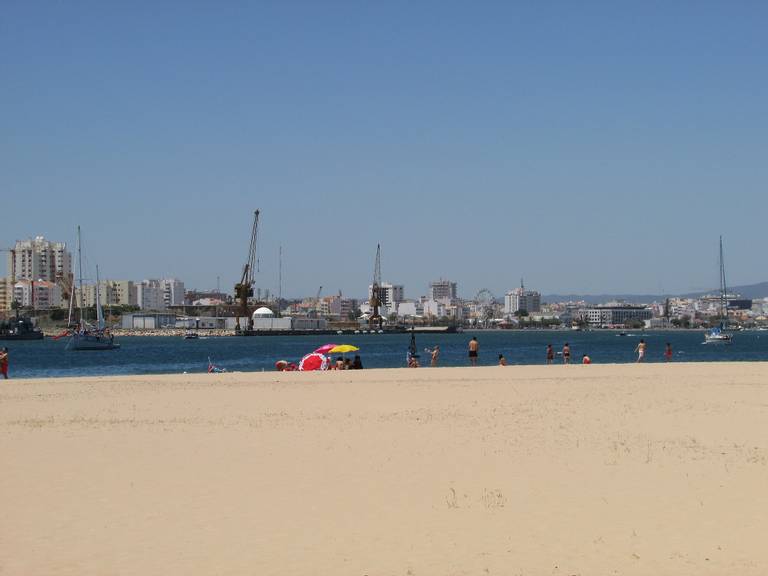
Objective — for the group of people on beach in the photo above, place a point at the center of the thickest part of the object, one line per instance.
(343, 363)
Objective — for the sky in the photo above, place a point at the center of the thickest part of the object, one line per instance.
(589, 147)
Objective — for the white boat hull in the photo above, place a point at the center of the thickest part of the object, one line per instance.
(91, 342)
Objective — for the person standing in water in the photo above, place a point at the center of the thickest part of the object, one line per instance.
(502, 360)
(474, 347)
(640, 350)
(435, 356)
(550, 354)
(566, 354)
(668, 352)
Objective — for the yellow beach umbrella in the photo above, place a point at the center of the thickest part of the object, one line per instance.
(343, 349)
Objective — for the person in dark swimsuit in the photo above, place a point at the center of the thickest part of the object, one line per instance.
(550, 354)
(474, 346)
(566, 354)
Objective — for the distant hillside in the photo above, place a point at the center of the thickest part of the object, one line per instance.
(753, 291)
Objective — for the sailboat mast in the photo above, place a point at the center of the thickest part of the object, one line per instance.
(280, 283)
(80, 273)
(99, 313)
(723, 286)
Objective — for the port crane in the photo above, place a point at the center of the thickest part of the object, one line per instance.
(375, 302)
(314, 308)
(244, 288)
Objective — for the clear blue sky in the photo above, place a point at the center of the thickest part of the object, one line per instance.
(588, 146)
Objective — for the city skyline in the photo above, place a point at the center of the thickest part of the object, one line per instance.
(590, 148)
(442, 284)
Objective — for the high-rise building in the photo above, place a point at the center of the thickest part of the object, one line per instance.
(121, 292)
(442, 289)
(40, 294)
(6, 293)
(150, 295)
(521, 299)
(390, 294)
(173, 292)
(40, 259)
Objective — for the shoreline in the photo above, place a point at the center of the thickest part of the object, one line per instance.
(580, 370)
(219, 333)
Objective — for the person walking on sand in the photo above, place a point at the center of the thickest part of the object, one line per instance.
(502, 360)
(435, 356)
(474, 346)
(4, 362)
(566, 354)
(550, 354)
(640, 350)
(668, 352)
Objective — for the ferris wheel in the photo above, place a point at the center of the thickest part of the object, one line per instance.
(486, 306)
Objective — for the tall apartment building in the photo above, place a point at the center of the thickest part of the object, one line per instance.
(6, 293)
(173, 292)
(111, 292)
(391, 294)
(522, 299)
(122, 292)
(40, 259)
(442, 290)
(39, 294)
(336, 307)
(150, 295)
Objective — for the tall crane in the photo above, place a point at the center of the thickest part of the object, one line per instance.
(375, 317)
(244, 288)
(314, 310)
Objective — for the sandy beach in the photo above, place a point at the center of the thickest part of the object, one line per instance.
(602, 469)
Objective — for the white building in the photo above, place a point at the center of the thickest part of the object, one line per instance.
(391, 294)
(150, 295)
(40, 295)
(173, 292)
(409, 309)
(614, 315)
(522, 299)
(264, 319)
(40, 259)
(442, 289)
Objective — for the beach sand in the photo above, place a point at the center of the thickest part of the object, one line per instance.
(620, 469)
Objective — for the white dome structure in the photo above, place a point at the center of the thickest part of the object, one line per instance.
(263, 312)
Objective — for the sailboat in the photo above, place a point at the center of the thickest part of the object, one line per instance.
(720, 334)
(84, 335)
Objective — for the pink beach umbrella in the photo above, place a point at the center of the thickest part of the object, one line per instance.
(313, 361)
(324, 348)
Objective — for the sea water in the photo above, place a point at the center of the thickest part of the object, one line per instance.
(175, 355)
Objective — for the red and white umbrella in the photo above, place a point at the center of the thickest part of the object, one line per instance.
(324, 348)
(313, 361)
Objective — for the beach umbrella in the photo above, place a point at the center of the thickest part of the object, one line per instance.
(325, 348)
(313, 361)
(343, 349)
